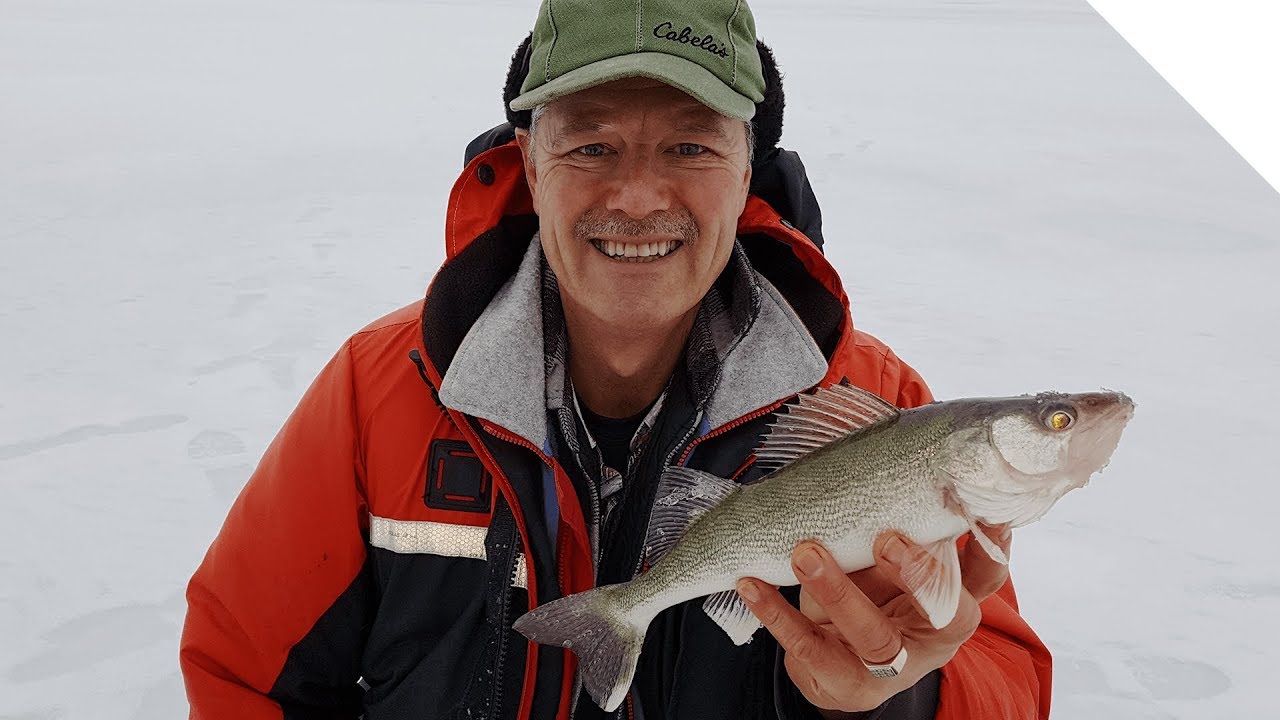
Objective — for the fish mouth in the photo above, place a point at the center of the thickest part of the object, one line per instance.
(636, 252)
(1107, 404)
(1099, 437)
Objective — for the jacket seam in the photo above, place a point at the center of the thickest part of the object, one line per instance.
(884, 370)
(380, 328)
(358, 439)
(361, 424)
(449, 245)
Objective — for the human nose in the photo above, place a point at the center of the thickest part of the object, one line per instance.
(639, 188)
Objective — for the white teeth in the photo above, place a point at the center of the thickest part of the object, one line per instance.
(635, 250)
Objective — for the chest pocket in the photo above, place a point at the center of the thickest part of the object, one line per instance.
(441, 643)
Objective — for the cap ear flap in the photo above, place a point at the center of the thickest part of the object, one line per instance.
(768, 117)
(515, 79)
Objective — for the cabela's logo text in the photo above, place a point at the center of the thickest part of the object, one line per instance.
(667, 31)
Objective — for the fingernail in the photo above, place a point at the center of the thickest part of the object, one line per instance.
(749, 591)
(809, 562)
(894, 550)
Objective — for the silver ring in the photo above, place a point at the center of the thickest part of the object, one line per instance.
(892, 668)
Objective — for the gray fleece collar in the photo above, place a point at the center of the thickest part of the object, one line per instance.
(499, 372)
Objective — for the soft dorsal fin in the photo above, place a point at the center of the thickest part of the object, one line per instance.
(820, 418)
(683, 496)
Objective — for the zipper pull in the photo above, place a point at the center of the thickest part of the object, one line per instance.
(416, 357)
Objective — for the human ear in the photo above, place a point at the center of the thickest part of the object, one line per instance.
(525, 141)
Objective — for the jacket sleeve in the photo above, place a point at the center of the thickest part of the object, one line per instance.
(1003, 670)
(277, 611)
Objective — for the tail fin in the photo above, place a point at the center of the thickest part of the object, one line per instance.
(606, 638)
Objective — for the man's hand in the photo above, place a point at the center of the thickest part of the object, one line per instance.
(871, 615)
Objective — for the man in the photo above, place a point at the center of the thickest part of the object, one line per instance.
(617, 298)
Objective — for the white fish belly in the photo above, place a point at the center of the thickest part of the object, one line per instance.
(684, 576)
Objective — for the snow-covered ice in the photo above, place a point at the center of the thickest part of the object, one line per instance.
(199, 201)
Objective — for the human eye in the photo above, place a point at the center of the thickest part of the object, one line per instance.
(594, 150)
(690, 149)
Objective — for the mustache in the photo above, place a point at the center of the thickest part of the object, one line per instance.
(675, 223)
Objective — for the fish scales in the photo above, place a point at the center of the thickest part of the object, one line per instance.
(852, 491)
(851, 467)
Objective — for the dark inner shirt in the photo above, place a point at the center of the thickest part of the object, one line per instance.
(613, 435)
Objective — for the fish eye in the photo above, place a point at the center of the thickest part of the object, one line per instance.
(1059, 419)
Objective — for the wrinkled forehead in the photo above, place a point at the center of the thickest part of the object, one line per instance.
(635, 101)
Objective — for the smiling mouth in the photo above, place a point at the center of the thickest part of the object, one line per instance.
(636, 252)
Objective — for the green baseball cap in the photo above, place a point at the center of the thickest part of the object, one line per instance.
(707, 48)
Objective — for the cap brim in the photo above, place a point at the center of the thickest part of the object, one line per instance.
(675, 71)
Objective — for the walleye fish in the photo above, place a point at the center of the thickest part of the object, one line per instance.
(845, 466)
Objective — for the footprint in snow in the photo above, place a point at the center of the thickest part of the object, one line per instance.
(1169, 678)
(91, 638)
(217, 452)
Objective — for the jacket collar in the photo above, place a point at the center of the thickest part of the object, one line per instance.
(768, 358)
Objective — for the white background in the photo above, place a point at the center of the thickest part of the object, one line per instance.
(199, 202)
(1222, 56)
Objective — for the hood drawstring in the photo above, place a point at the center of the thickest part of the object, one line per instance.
(416, 357)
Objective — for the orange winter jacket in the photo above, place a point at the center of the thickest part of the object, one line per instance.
(374, 562)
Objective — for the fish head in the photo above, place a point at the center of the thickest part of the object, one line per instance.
(1010, 459)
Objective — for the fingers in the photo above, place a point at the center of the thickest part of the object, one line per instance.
(865, 628)
(910, 564)
(804, 642)
(981, 575)
(873, 582)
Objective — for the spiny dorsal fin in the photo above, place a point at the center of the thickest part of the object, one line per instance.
(683, 496)
(820, 418)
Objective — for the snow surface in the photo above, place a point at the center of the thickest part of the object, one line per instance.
(199, 201)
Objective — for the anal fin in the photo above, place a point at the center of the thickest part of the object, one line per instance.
(937, 592)
(732, 615)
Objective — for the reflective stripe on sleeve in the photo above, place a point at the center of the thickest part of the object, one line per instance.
(411, 537)
(424, 537)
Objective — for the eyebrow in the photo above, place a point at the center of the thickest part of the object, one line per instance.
(574, 126)
(703, 126)
(693, 122)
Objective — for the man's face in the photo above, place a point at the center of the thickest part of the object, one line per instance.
(638, 188)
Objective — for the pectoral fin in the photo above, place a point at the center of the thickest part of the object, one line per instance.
(936, 586)
(987, 543)
(731, 614)
(683, 496)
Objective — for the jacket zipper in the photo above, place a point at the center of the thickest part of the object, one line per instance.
(495, 698)
(729, 426)
(595, 509)
(513, 506)
(595, 512)
(640, 561)
(685, 456)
